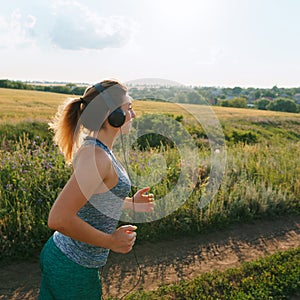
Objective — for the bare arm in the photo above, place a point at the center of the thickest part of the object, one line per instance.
(90, 171)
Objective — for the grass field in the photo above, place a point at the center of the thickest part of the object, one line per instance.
(23, 105)
(261, 180)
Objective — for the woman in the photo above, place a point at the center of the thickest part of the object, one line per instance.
(85, 215)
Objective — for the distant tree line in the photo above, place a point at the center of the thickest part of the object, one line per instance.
(276, 99)
(277, 104)
(68, 88)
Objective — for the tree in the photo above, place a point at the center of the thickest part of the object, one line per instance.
(283, 104)
(238, 102)
(195, 98)
(275, 90)
(237, 90)
(268, 93)
(262, 103)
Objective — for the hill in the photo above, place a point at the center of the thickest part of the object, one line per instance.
(24, 105)
(155, 82)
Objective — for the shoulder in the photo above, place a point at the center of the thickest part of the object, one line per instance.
(92, 153)
(92, 162)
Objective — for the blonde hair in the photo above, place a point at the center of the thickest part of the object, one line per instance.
(67, 124)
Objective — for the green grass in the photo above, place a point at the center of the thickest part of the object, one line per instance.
(274, 277)
(32, 173)
(261, 177)
(261, 180)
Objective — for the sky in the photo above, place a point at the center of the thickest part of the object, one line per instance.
(222, 43)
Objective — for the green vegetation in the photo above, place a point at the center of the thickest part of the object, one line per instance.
(68, 88)
(261, 180)
(234, 102)
(274, 277)
(278, 99)
(32, 173)
(282, 104)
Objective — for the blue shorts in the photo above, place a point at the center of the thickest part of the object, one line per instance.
(63, 279)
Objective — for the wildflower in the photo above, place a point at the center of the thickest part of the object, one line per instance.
(8, 186)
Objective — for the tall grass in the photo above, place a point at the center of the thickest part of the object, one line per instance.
(274, 277)
(32, 173)
(261, 179)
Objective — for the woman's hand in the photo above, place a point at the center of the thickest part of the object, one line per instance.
(122, 240)
(142, 201)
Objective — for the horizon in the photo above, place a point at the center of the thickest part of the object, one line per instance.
(130, 82)
(217, 43)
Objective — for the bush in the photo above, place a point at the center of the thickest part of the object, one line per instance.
(160, 130)
(235, 102)
(283, 104)
(10, 134)
(247, 137)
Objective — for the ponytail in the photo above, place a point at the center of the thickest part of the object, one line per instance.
(66, 128)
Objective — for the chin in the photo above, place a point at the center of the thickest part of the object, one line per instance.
(126, 127)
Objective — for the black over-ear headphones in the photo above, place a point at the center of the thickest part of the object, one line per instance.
(117, 117)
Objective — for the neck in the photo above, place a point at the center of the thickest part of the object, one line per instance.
(107, 137)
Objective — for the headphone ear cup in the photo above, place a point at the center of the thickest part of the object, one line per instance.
(117, 117)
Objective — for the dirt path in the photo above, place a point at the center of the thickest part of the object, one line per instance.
(167, 262)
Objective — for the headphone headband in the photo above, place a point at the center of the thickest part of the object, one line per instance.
(117, 116)
(106, 97)
(99, 87)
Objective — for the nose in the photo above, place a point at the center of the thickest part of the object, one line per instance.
(132, 114)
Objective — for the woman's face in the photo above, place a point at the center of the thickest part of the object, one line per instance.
(130, 115)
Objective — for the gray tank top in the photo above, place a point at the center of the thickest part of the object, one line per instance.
(101, 211)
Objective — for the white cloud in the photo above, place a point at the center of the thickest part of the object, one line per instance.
(64, 24)
(17, 31)
(76, 27)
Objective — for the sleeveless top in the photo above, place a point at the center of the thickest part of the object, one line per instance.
(101, 211)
